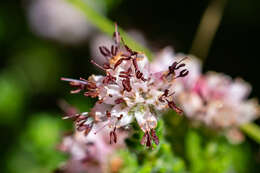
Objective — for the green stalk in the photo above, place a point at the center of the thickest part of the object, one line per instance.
(207, 28)
(252, 130)
(107, 26)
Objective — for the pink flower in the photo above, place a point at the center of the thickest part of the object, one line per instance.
(129, 91)
(213, 99)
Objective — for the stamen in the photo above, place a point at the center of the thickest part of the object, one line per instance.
(116, 35)
(126, 85)
(146, 139)
(108, 114)
(119, 118)
(123, 76)
(75, 91)
(99, 66)
(135, 64)
(109, 79)
(105, 51)
(154, 137)
(174, 66)
(120, 61)
(173, 106)
(183, 73)
(74, 81)
(113, 135)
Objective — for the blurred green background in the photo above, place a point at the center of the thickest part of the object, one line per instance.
(34, 54)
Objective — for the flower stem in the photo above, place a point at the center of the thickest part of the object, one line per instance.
(252, 130)
(207, 28)
(107, 26)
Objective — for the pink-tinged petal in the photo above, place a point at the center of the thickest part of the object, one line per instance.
(249, 111)
(163, 60)
(97, 79)
(239, 90)
(99, 111)
(121, 113)
(145, 119)
(109, 94)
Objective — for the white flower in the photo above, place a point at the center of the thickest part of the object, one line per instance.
(129, 91)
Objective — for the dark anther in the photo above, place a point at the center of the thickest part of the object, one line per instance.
(135, 64)
(173, 106)
(113, 135)
(154, 137)
(139, 74)
(109, 79)
(80, 120)
(119, 100)
(119, 118)
(123, 76)
(183, 73)
(108, 114)
(165, 94)
(179, 66)
(104, 51)
(120, 61)
(126, 85)
(114, 50)
(130, 50)
(176, 66)
(146, 140)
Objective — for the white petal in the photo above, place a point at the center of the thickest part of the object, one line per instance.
(99, 111)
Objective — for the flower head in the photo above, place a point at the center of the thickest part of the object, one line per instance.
(88, 153)
(213, 99)
(129, 90)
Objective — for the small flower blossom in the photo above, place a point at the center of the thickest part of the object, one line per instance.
(88, 153)
(214, 98)
(129, 91)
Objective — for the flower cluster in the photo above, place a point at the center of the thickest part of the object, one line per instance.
(129, 90)
(212, 98)
(88, 153)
